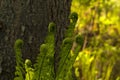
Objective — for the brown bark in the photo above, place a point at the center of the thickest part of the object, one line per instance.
(59, 14)
(28, 20)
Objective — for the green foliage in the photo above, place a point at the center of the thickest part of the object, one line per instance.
(29, 70)
(19, 74)
(65, 69)
(44, 67)
(65, 56)
(18, 45)
(118, 78)
(99, 22)
(70, 31)
(43, 48)
(79, 39)
(67, 41)
(74, 17)
(44, 64)
(52, 27)
(28, 63)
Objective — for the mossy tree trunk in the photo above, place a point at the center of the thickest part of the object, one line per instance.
(28, 20)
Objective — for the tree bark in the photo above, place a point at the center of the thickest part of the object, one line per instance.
(59, 14)
(28, 20)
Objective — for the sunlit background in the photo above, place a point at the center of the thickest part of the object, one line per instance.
(99, 22)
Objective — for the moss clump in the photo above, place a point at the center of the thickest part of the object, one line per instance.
(79, 39)
(43, 48)
(67, 41)
(73, 16)
(51, 27)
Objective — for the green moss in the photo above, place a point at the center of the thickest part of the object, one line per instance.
(51, 27)
(79, 39)
(73, 16)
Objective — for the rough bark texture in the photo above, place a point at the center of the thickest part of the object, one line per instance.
(28, 20)
(59, 14)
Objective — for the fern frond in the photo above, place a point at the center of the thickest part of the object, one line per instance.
(69, 73)
(29, 70)
(69, 32)
(45, 62)
(40, 61)
(66, 63)
(19, 61)
(64, 57)
(73, 20)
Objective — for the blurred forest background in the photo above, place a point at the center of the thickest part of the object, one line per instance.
(99, 22)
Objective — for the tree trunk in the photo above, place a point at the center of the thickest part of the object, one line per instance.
(59, 14)
(28, 20)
